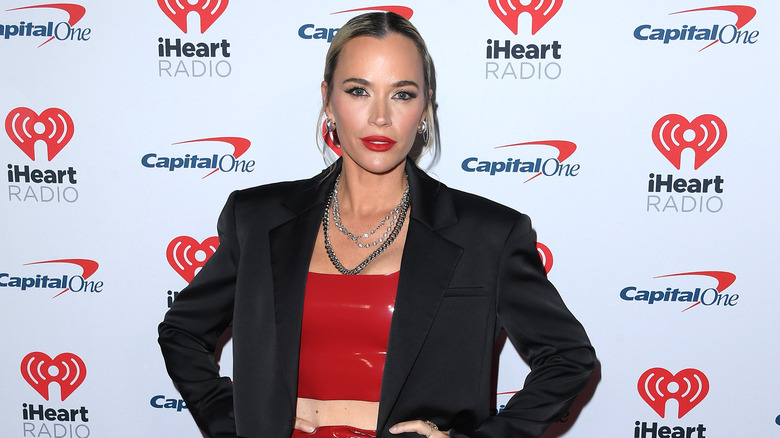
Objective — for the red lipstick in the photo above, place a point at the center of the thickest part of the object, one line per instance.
(378, 143)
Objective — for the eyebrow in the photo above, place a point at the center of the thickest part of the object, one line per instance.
(366, 83)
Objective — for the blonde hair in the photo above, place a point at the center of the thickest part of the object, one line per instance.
(379, 25)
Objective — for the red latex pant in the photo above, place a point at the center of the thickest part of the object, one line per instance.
(335, 432)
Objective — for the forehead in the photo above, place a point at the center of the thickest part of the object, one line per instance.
(394, 56)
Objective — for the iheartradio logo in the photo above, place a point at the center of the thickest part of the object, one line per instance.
(186, 255)
(40, 370)
(705, 135)
(688, 387)
(541, 12)
(546, 255)
(53, 126)
(208, 11)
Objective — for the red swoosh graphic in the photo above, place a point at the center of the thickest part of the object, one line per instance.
(88, 267)
(744, 15)
(240, 145)
(75, 12)
(400, 10)
(725, 279)
(565, 149)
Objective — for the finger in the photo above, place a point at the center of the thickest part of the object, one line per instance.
(417, 426)
(304, 425)
(406, 426)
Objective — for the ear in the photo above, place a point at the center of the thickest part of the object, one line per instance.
(325, 102)
(427, 106)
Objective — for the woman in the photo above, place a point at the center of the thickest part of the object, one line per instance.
(406, 345)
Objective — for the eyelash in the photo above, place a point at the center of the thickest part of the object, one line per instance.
(355, 90)
(409, 95)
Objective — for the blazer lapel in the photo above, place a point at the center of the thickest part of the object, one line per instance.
(427, 266)
(292, 244)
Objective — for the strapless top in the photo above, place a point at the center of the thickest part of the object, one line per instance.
(344, 334)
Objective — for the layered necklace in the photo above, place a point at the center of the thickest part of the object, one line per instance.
(394, 221)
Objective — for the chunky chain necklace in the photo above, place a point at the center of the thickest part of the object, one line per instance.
(392, 217)
(397, 222)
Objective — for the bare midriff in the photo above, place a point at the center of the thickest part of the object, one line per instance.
(357, 413)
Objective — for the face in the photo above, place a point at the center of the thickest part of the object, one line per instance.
(377, 101)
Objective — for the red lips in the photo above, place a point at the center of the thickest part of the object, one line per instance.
(378, 143)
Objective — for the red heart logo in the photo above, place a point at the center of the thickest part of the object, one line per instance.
(709, 135)
(541, 12)
(546, 255)
(57, 130)
(183, 251)
(67, 369)
(208, 10)
(688, 387)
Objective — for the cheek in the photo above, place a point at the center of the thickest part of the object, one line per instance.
(345, 113)
(410, 118)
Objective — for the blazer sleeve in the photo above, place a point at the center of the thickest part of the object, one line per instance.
(555, 344)
(192, 327)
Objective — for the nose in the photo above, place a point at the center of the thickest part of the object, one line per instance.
(380, 114)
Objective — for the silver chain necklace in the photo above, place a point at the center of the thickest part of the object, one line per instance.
(396, 229)
(392, 217)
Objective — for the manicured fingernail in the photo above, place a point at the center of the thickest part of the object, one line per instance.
(393, 429)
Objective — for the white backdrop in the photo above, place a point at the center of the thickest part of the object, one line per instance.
(96, 242)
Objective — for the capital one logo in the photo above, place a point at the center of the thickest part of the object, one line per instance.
(76, 283)
(565, 150)
(706, 296)
(548, 167)
(744, 15)
(546, 255)
(226, 163)
(54, 127)
(541, 12)
(75, 14)
(208, 11)
(688, 387)
(705, 135)
(186, 255)
(40, 370)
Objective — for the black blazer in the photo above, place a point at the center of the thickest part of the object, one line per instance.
(469, 267)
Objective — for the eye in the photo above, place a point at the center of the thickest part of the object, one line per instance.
(405, 95)
(357, 91)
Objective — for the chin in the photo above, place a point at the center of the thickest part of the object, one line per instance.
(384, 163)
(381, 168)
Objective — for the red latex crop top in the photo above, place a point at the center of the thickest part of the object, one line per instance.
(344, 334)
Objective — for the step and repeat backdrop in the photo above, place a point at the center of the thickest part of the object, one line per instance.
(641, 137)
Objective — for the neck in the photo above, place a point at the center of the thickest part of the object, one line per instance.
(366, 193)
